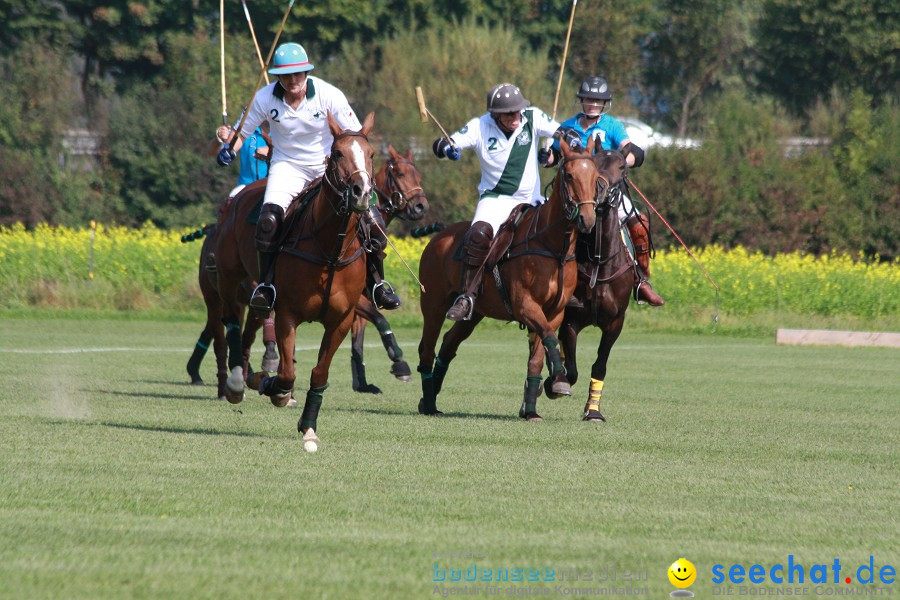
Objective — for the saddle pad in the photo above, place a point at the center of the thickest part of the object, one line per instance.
(253, 215)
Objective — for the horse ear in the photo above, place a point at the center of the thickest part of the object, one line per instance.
(565, 149)
(394, 154)
(333, 125)
(368, 123)
(592, 144)
(409, 155)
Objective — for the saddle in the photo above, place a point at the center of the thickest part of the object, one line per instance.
(297, 205)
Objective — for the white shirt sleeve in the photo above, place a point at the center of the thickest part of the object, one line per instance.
(342, 112)
(544, 126)
(468, 136)
(257, 113)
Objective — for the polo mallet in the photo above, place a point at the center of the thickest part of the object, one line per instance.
(261, 74)
(678, 237)
(562, 68)
(424, 113)
(253, 35)
(222, 59)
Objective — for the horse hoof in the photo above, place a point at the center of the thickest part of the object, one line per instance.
(430, 412)
(557, 388)
(222, 398)
(401, 371)
(531, 417)
(269, 361)
(292, 403)
(281, 400)
(593, 416)
(367, 389)
(255, 379)
(197, 380)
(234, 397)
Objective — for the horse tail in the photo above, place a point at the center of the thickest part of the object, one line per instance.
(419, 232)
(196, 235)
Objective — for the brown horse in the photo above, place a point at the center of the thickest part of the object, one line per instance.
(320, 271)
(214, 330)
(398, 185)
(606, 273)
(538, 275)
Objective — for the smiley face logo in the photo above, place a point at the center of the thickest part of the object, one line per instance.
(682, 573)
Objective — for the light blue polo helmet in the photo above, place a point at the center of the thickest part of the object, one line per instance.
(290, 58)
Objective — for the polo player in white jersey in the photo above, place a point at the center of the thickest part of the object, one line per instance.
(296, 107)
(505, 139)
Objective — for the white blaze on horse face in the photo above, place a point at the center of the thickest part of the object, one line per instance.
(359, 160)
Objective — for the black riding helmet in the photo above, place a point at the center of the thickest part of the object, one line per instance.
(594, 88)
(505, 98)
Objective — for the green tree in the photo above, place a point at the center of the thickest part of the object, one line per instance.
(695, 46)
(809, 46)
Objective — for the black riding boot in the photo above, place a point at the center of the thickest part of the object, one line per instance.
(372, 234)
(263, 299)
(477, 243)
(379, 290)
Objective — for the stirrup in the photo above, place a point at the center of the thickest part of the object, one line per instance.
(390, 303)
(637, 294)
(466, 316)
(259, 301)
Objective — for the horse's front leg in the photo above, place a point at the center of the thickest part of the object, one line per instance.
(335, 331)
(545, 326)
(278, 387)
(568, 341)
(528, 410)
(270, 357)
(598, 370)
(357, 338)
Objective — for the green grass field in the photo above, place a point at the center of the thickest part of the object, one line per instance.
(120, 480)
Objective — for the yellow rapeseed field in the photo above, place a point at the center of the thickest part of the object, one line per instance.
(149, 263)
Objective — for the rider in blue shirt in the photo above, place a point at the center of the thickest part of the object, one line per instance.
(254, 155)
(594, 122)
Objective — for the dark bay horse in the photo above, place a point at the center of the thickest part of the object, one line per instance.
(398, 185)
(319, 274)
(606, 275)
(538, 273)
(214, 330)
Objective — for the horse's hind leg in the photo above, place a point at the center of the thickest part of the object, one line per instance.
(399, 367)
(200, 348)
(598, 370)
(433, 380)
(357, 338)
(270, 357)
(432, 321)
(279, 387)
(568, 342)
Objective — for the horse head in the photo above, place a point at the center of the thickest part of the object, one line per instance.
(581, 186)
(612, 168)
(399, 187)
(349, 170)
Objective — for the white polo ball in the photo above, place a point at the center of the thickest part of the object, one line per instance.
(310, 446)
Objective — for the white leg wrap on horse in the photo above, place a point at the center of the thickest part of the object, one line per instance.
(235, 381)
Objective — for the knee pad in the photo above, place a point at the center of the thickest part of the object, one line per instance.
(267, 228)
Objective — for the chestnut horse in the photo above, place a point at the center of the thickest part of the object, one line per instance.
(398, 186)
(538, 275)
(319, 274)
(606, 273)
(399, 191)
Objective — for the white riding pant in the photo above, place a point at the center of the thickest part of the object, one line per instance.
(626, 208)
(287, 179)
(495, 210)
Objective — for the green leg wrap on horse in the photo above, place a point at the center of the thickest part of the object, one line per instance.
(390, 342)
(311, 408)
(193, 365)
(358, 370)
(554, 358)
(429, 396)
(440, 371)
(235, 350)
(532, 392)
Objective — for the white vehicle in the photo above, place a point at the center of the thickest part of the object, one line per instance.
(646, 137)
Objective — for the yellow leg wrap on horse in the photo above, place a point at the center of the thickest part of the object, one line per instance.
(594, 394)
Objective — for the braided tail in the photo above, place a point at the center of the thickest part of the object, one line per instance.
(419, 232)
(195, 235)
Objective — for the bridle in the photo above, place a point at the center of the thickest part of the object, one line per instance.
(572, 205)
(395, 199)
(344, 190)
